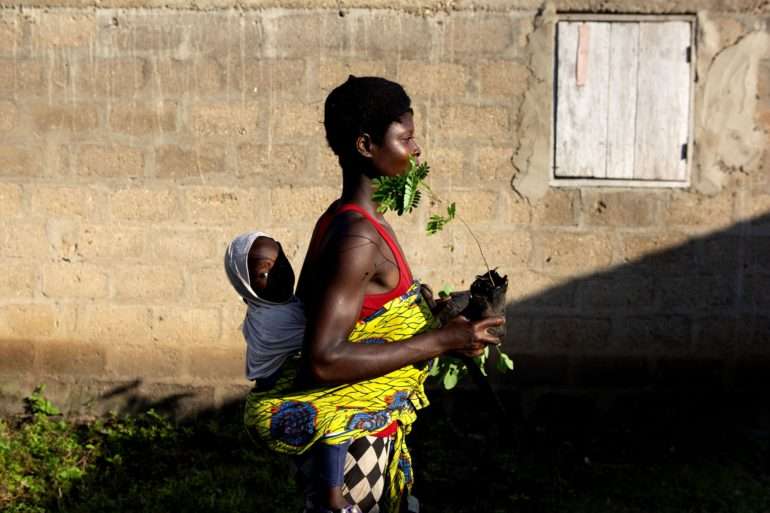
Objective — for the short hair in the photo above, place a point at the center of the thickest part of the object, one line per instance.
(362, 105)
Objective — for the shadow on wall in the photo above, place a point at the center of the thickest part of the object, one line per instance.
(698, 312)
(676, 340)
(135, 401)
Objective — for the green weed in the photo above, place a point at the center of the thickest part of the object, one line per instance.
(41, 458)
(142, 463)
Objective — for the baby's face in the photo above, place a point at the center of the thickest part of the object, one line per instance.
(270, 272)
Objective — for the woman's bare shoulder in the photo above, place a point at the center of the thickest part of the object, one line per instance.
(349, 244)
(351, 228)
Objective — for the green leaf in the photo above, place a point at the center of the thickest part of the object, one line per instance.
(450, 378)
(410, 194)
(400, 193)
(482, 367)
(38, 404)
(451, 210)
(481, 360)
(386, 193)
(436, 222)
(69, 474)
(504, 362)
(435, 368)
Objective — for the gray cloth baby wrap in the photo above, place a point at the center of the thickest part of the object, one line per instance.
(273, 331)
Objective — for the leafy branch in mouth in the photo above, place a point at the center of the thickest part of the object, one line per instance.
(402, 193)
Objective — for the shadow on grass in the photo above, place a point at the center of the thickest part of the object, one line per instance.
(575, 458)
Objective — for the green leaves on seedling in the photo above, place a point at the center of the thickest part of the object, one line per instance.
(504, 362)
(481, 361)
(451, 376)
(449, 370)
(436, 222)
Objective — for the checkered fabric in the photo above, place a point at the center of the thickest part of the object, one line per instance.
(366, 464)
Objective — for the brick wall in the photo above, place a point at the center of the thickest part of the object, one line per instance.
(135, 143)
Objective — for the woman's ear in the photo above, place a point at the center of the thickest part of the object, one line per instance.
(364, 145)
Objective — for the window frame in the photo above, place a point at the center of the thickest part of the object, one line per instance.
(568, 182)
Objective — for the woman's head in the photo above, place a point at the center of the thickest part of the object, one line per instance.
(361, 110)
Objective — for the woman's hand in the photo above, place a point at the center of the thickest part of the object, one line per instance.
(469, 338)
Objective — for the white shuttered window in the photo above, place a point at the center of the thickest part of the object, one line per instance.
(623, 94)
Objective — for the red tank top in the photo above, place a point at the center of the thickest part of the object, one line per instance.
(372, 302)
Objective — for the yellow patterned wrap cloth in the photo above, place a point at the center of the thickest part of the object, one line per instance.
(290, 421)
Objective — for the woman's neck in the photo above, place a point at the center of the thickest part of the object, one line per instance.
(357, 188)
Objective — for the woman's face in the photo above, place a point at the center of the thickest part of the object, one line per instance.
(270, 272)
(391, 156)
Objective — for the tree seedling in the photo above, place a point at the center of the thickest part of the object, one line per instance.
(401, 194)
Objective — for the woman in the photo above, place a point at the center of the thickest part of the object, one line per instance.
(355, 277)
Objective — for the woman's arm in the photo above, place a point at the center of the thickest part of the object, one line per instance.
(345, 268)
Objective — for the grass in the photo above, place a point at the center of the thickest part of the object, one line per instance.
(145, 463)
(141, 463)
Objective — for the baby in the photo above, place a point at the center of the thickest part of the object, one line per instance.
(275, 319)
(274, 328)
